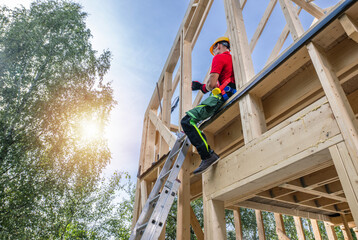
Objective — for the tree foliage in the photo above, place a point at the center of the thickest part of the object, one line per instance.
(51, 80)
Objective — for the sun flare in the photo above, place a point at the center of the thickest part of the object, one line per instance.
(90, 130)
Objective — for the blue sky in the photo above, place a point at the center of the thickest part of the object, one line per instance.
(140, 34)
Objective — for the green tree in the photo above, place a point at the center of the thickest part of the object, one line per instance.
(51, 80)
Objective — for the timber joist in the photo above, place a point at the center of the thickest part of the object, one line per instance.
(288, 139)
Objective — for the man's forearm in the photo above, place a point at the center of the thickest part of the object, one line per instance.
(212, 81)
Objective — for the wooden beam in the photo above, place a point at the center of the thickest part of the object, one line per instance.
(319, 178)
(136, 207)
(144, 193)
(196, 225)
(316, 231)
(238, 223)
(175, 82)
(303, 129)
(242, 3)
(166, 111)
(314, 192)
(311, 8)
(280, 227)
(142, 157)
(196, 188)
(331, 233)
(168, 136)
(150, 145)
(242, 60)
(292, 19)
(197, 21)
(299, 228)
(341, 108)
(345, 155)
(262, 24)
(214, 219)
(308, 201)
(282, 210)
(251, 111)
(185, 83)
(183, 220)
(183, 212)
(345, 229)
(260, 225)
(348, 175)
(350, 27)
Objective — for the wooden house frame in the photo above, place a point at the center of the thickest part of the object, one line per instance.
(288, 139)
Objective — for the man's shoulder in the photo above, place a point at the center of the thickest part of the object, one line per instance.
(222, 56)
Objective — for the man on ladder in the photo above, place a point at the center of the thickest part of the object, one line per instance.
(222, 84)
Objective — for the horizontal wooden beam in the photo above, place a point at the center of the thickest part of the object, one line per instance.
(316, 179)
(314, 192)
(266, 167)
(314, 205)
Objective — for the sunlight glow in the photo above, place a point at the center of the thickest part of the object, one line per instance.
(90, 130)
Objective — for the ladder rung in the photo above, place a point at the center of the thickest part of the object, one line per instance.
(181, 138)
(155, 198)
(142, 226)
(166, 174)
(172, 156)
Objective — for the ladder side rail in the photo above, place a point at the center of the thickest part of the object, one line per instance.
(165, 200)
(161, 211)
(147, 210)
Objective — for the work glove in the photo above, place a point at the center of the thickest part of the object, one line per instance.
(195, 85)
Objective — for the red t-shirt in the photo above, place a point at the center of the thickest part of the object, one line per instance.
(222, 64)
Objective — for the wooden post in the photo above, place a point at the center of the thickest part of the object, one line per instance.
(292, 19)
(196, 225)
(183, 214)
(238, 225)
(260, 225)
(214, 220)
(251, 111)
(150, 144)
(166, 111)
(344, 155)
(345, 229)
(330, 231)
(143, 192)
(316, 232)
(299, 228)
(136, 206)
(280, 227)
(185, 83)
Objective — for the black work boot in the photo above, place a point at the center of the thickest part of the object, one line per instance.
(205, 163)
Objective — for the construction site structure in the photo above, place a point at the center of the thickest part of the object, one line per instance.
(287, 139)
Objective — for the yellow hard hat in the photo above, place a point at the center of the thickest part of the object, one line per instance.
(220, 39)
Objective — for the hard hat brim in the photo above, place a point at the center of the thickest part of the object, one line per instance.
(220, 39)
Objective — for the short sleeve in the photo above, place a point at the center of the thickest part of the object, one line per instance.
(217, 64)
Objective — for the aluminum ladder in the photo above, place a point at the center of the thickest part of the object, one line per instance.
(156, 209)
